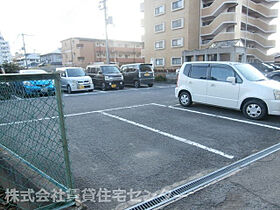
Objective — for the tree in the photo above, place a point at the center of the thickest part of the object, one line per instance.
(10, 67)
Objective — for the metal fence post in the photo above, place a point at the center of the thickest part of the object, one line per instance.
(63, 131)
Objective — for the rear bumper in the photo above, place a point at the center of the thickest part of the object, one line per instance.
(147, 81)
(273, 107)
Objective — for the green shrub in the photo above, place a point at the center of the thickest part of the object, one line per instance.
(160, 78)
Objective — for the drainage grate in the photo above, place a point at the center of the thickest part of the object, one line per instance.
(174, 194)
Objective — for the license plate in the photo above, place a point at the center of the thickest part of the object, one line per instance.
(113, 85)
(81, 87)
(146, 74)
(44, 90)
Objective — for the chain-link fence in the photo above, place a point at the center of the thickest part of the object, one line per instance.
(34, 159)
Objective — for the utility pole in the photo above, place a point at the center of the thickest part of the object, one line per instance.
(104, 7)
(247, 16)
(24, 50)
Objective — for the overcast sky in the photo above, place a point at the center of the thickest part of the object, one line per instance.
(50, 21)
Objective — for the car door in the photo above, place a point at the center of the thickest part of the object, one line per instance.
(221, 92)
(197, 82)
(63, 80)
(129, 75)
(124, 73)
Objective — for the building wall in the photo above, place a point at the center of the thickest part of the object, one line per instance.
(82, 51)
(210, 24)
(5, 54)
(189, 32)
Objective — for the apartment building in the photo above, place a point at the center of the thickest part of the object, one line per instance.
(84, 51)
(5, 54)
(217, 30)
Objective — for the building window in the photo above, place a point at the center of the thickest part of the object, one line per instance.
(159, 45)
(159, 10)
(97, 44)
(176, 61)
(79, 45)
(176, 5)
(159, 28)
(159, 62)
(81, 58)
(177, 42)
(176, 24)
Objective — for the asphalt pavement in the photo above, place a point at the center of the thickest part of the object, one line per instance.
(140, 142)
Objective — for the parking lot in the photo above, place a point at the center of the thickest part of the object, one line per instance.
(141, 140)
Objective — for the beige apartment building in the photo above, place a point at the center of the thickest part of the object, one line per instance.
(84, 51)
(200, 30)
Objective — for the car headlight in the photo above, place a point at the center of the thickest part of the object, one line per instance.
(107, 78)
(27, 83)
(276, 94)
(90, 81)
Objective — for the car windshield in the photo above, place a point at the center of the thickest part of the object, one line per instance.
(78, 72)
(145, 67)
(109, 69)
(250, 72)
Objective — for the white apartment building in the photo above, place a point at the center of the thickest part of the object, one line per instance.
(5, 54)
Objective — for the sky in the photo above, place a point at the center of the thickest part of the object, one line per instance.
(47, 22)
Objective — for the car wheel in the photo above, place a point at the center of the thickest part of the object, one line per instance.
(121, 87)
(185, 99)
(137, 84)
(103, 86)
(150, 85)
(277, 78)
(254, 109)
(69, 91)
(91, 90)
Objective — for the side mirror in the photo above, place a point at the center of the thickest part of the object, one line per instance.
(232, 80)
(99, 72)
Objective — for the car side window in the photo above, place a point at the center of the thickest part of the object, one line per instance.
(198, 71)
(221, 73)
(187, 69)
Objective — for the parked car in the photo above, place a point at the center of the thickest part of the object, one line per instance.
(5, 88)
(275, 75)
(231, 85)
(138, 74)
(74, 79)
(276, 67)
(34, 87)
(106, 76)
(263, 67)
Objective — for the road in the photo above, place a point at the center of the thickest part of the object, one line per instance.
(141, 140)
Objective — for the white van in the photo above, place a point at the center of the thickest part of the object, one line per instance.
(74, 79)
(232, 85)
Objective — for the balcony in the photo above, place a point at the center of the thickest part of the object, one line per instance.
(259, 24)
(218, 24)
(217, 7)
(260, 9)
(260, 40)
(260, 55)
(220, 37)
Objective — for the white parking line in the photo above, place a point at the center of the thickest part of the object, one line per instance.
(97, 92)
(106, 110)
(170, 136)
(74, 115)
(220, 116)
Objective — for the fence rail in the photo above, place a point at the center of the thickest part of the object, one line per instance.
(33, 144)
